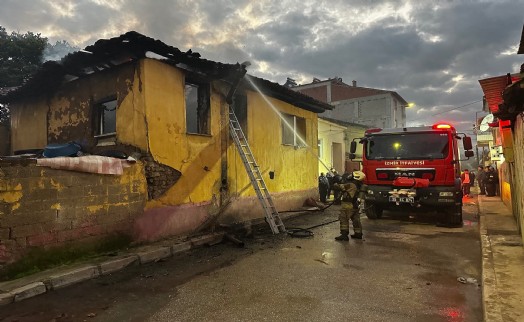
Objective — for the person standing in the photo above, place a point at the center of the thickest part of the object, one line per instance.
(329, 176)
(472, 178)
(323, 187)
(480, 179)
(352, 189)
(466, 183)
(491, 181)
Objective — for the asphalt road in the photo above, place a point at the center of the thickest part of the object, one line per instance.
(405, 269)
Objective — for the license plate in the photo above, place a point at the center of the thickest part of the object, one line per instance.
(401, 199)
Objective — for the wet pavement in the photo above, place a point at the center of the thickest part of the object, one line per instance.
(405, 269)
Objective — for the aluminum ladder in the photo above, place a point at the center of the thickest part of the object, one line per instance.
(253, 171)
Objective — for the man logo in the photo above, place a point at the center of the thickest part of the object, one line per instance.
(404, 174)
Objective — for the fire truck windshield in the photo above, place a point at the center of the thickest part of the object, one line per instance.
(407, 146)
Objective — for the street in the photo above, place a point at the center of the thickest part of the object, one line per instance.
(405, 269)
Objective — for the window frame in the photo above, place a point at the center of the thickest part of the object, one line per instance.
(203, 97)
(296, 130)
(99, 109)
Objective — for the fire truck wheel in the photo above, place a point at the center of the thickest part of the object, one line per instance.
(374, 212)
(454, 217)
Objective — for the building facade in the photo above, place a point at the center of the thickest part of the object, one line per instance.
(137, 96)
(361, 105)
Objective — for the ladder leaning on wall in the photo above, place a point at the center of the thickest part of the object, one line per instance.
(253, 171)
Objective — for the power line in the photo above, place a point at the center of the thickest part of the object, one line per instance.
(455, 108)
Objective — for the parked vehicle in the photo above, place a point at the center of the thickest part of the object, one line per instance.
(414, 167)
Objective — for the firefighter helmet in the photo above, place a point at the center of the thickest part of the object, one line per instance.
(359, 175)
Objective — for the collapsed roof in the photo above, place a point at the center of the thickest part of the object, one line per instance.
(131, 46)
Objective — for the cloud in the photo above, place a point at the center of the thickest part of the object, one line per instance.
(430, 52)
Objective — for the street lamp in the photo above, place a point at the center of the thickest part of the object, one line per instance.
(408, 105)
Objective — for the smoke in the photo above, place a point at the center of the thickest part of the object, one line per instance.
(57, 51)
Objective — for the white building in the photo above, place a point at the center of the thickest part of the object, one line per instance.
(361, 105)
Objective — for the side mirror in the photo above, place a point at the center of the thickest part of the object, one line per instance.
(466, 141)
(353, 148)
(352, 156)
(469, 153)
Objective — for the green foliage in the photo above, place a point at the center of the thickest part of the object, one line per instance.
(4, 114)
(38, 260)
(20, 56)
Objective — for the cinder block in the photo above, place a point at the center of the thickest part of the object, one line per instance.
(117, 264)
(117, 190)
(154, 254)
(207, 239)
(29, 291)
(4, 233)
(98, 190)
(43, 239)
(180, 248)
(73, 276)
(6, 298)
(118, 199)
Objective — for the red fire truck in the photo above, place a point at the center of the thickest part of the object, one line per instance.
(414, 169)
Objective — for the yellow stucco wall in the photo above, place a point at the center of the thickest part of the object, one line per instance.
(196, 156)
(29, 126)
(130, 116)
(295, 168)
(330, 133)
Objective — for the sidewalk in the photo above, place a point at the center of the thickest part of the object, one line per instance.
(52, 279)
(502, 262)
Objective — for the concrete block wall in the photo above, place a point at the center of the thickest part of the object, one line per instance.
(43, 207)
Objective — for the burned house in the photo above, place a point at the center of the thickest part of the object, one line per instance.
(133, 95)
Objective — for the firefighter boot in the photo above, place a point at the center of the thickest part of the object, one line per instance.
(343, 235)
(357, 236)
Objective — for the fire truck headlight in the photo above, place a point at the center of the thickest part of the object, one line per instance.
(370, 192)
(446, 194)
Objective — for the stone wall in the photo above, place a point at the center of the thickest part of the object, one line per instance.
(160, 177)
(43, 207)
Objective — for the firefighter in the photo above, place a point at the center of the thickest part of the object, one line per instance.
(352, 189)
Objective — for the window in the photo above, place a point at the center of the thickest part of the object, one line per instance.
(197, 108)
(293, 130)
(320, 148)
(240, 109)
(408, 146)
(106, 117)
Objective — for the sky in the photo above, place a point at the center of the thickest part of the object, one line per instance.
(431, 52)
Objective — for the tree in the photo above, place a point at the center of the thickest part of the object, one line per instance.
(4, 114)
(20, 56)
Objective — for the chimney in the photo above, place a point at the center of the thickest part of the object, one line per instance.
(354, 83)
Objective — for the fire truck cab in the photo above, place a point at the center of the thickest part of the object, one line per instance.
(415, 169)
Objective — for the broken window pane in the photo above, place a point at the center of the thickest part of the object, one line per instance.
(240, 109)
(197, 108)
(107, 117)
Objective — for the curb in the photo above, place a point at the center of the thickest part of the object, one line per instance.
(490, 297)
(139, 256)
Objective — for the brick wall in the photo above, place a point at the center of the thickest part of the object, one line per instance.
(43, 207)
